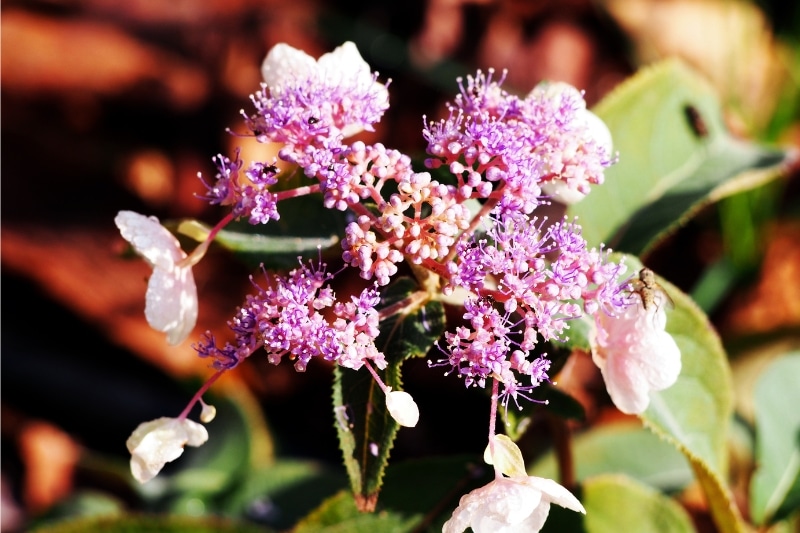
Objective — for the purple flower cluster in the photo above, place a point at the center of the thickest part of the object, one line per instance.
(539, 274)
(501, 146)
(287, 318)
(308, 103)
(527, 278)
(248, 194)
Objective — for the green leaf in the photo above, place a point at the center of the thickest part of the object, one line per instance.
(622, 448)
(365, 429)
(617, 503)
(419, 496)
(675, 156)
(339, 514)
(282, 493)
(275, 249)
(695, 412)
(162, 524)
(775, 488)
(81, 504)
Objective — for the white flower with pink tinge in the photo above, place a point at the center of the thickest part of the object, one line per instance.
(171, 299)
(516, 504)
(635, 354)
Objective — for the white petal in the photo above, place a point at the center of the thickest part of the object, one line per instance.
(157, 442)
(562, 192)
(598, 131)
(344, 63)
(208, 413)
(555, 493)
(402, 408)
(636, 356)
(503, 505)
(150, 239)
(284, 64)
(171, 303)
(507, 457)
(555, 91)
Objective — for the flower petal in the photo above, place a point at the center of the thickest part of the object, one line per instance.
(171, 299)
(503, 505)
(284, 64)
(635, 355)
(150, 239)
(157, 442)
(507, 457)
(171, 303)
(555, 493)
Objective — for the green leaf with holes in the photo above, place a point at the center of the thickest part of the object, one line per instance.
(694, 414)
(675, 156)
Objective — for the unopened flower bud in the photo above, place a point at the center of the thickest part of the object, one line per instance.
(402, 408)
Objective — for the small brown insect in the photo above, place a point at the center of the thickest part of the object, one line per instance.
(649, 291)
(696, 121)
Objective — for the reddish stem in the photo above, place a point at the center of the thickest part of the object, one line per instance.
(200, 393)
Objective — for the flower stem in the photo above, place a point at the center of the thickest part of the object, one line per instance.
(377, 378)
(408, 304)
(198, 253)
(199, 394)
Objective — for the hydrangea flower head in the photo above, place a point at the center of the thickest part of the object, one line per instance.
(171, 299)
(509, 265)
(157, 442)
(635, 354)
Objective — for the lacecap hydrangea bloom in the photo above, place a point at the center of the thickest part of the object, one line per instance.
(466, 224)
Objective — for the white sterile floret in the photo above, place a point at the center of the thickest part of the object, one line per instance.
(402, 408)
(635, 355)
(286, 68)
(157, 442)
(284, 64)
(580, 147)
(598, 131)
(171, 298)
(515, 504)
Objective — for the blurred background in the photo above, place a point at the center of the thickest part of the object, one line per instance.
(118, 105)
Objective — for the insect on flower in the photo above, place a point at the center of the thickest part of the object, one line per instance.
(649, 291)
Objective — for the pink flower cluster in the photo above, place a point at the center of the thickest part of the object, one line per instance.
(468, 230)
(286, 318)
